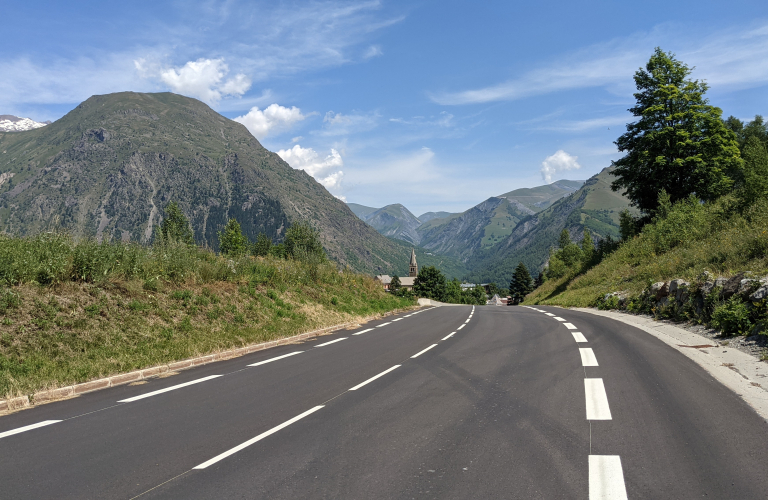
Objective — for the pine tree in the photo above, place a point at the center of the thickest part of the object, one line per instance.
(262, 246)
(565, 239)
(521, 284)
(394, 284)
(232, 241)
(175, 226)
(588, 248)
(679, 142)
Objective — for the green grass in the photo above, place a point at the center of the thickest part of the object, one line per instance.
(66, 320)
(694, 238)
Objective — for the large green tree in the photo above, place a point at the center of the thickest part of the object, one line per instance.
(521, 284)
(232, 241)
(430, 283)
(302, 241)
(175, 226)
(755, 185)
(678, 143)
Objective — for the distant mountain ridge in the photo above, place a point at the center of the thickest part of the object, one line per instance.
(10, 123)
(462, 235)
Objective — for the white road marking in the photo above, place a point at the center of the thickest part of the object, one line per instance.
(331, 342)
(466, 321)
(172, 388)
(597, 400)
(422, 352)
(549, 314)
(275, 359)
(449, 335)
(28, 428)
(558, 318)
(383, 324)
(398, 319)
(606, 478)
(407, 315)
(588, 357)
(578, 337)
(257, 438)
(374, 378)
(462, 326)
(570, 326)
(363, 331)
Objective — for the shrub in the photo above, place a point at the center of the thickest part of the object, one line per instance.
(732, 317)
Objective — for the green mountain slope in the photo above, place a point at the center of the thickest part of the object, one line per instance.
(109, 167)
(395, 221)
(428, 216)
(594, 206)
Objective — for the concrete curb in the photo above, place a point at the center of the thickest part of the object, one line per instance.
(126, 378)
(738, 371)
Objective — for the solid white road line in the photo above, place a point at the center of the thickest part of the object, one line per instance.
(549, 314)
(606, 478)
(383, 324)
(449, 335)
(363, 331)
(578, 337)
(422, 352)
(256, 439)
(558, 318)
(466, 321)
(462, 326)
(28, 428)
(331, 342)
(569, 326)
(374, 378)
(597, 400)
(398, 319)
(172, 388)
(588, 357)
(275, 359)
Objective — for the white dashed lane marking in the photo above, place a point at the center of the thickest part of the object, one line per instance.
(275, 359)
(383, 324)
(606, 478)
(28, 428)
(578, 337)
(374, 378)
(597, 400)
(179, 386)
(364, 331)
(422, 352)
(569, 326)
(559, 318)
(462, 326)
(588, 357)
(331, 342)
(549, 314)
(449, 335)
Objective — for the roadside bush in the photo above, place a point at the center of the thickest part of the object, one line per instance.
(732, 317)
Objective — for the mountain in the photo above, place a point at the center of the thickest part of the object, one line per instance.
(395, 221)
(361, 210)
(109, 167)
(594, 206)
(10, 123)
(434, 215)
(487, 224)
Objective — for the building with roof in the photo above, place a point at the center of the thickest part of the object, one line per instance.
(406, 282)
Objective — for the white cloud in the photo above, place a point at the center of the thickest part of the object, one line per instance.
(340, 124)
(725, 59)
(204, 79)
(607, 122)
(558, 162)
(274, 118)
(373, 51)
(309, 160)
(297, 139)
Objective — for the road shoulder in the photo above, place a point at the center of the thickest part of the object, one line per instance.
(740, 372)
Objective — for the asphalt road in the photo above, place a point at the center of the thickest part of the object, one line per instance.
(509, 406)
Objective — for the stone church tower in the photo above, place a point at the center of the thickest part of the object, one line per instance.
(413, 271)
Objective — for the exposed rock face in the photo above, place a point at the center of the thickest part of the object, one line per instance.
(395, 221)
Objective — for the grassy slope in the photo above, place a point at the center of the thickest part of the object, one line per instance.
(703, 238)
(144, 307)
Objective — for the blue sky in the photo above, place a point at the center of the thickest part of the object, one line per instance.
(434, 104)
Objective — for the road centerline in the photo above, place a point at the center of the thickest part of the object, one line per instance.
(449, 336)
(570, 326)
(606, 478)
(384, 324)
(597, 400)
(587, 357)
(331, 342)
(422, 352)
(374, 378)
(363, 331)
(256, 439)
(578, 337)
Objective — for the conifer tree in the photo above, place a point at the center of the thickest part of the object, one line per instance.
(232, 241)
(262, 246)
(175, 226)
(521, 284)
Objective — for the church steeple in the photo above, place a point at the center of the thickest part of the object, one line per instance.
(413, 270)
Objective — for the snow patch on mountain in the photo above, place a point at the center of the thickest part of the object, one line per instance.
(10, 123)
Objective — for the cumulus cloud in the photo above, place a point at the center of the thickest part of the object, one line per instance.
(274, 118)
(204, 79)
(558, 162)
(322, 169)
